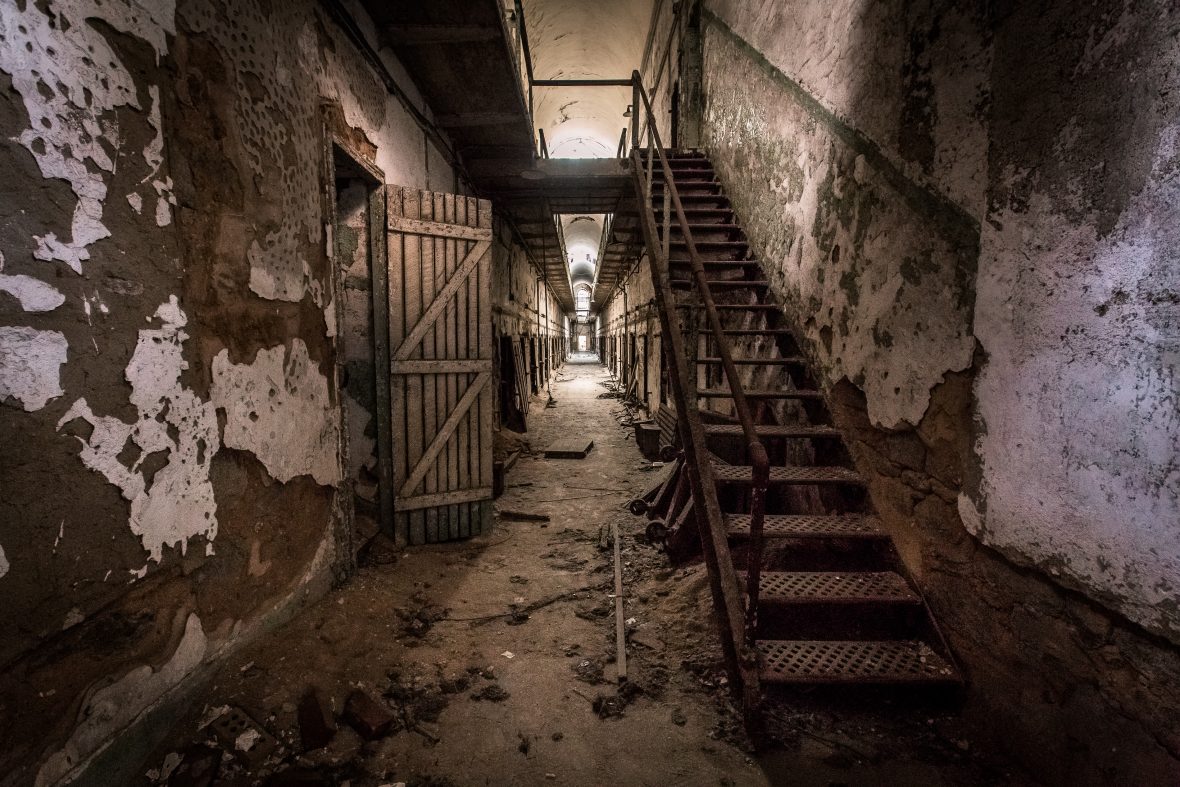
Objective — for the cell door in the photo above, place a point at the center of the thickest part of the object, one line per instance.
(440, 338)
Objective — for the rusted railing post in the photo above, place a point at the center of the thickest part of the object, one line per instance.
(714, 540)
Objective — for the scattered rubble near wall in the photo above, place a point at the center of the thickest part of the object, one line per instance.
(168, 399)
(972, 221)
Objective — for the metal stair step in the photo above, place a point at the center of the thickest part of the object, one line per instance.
(696, 198)
(712, 244)
(773, 430)
(807, 526)
(791, 360)
(722, 284)
(733, 306)
(834, 587)
(674, 226)
(794, 474)
(763, 393)
(851, 661)
(716, 263)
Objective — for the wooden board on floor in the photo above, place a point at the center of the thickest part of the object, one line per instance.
(575, 448)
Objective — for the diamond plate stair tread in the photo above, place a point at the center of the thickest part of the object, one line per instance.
(771, 430)
(807, 526)
(787, 475)
(842, 661)
(843, 587)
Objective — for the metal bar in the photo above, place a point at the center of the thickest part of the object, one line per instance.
(635, 88)
(757, 452)
(723, 579)
(746, 660)
(582, 82)
(620, 152)
(544, 147)
(620, 624)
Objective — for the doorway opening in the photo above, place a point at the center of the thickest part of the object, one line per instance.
(359, 272)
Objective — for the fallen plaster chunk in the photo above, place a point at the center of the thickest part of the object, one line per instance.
(112, 709)
(278, 409)
(3, 563)
(30, 365)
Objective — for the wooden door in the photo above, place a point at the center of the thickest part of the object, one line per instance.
(440, 331)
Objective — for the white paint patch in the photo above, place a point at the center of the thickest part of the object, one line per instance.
(136, 202)
(33, 295)
(71, 118)
(278, 408)
(30, 365)
(3, 563)
(164, 201)
(277, 271)
(179, 503)
(330, 318)
(114, 708)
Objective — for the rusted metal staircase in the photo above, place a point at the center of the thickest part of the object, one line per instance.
(808, 588)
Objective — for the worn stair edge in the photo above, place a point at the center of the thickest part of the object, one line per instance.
(795, 474)
(787, 360)
(808, 526)
(754, 393)
(841, 661)
(835, 587)
(774, 430)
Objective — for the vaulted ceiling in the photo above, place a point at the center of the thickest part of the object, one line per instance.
(464, 57)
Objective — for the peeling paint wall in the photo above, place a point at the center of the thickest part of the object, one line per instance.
(172, 439)
(869, 259)
(1078, 308)
(633, 315)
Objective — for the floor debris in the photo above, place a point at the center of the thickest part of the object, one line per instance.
(422, 638)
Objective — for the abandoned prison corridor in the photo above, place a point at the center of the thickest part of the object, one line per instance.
(496, 658)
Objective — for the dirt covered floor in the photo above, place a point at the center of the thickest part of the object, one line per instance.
(492, 662)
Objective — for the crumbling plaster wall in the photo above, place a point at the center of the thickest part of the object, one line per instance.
(167, 390)
(635, 313)
(970, 215)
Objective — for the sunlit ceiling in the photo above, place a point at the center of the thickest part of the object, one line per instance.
(583, 234)
(584, 39)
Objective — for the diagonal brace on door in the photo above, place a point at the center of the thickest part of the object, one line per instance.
(444, 433)
(441, 300)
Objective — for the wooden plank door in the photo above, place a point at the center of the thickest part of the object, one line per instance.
(440, 331)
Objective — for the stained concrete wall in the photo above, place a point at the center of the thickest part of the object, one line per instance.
(631, 312)
(168, 398)
(970, 217)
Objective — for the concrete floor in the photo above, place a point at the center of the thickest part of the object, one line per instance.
(482, 697)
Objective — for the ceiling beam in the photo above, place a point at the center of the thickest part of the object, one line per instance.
(428, 35)
(476, 119)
